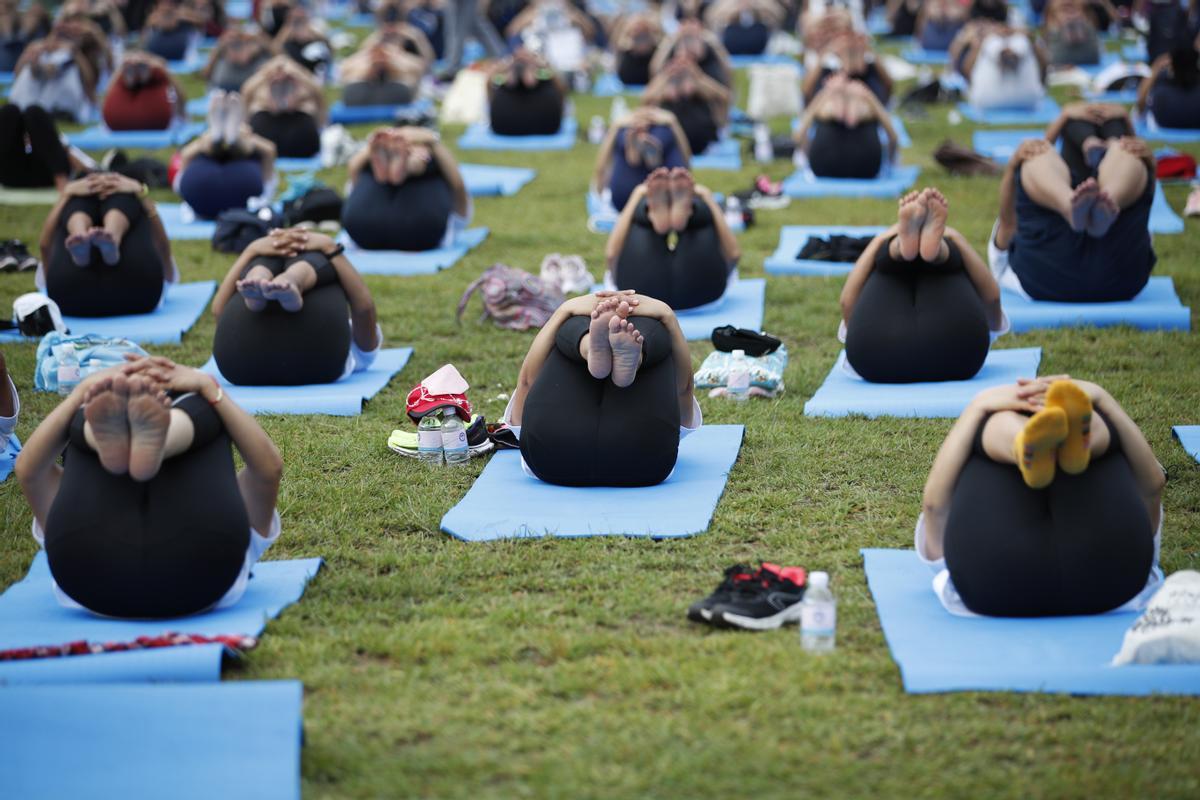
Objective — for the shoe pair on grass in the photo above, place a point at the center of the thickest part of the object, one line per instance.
(760, 599)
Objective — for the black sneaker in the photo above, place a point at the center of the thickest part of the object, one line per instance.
(16, 253)
(701, 610)
(765, 604)
(8, 260)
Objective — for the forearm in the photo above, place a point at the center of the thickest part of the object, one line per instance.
(449, 169)
(981, 278)
(861, 271)
(158, 233)
(46, 239)
(1146, 470)
(730, 249)
(681, 354)
(616, 239)
(1008, 208)
(37, 466)
(535, 359)
(357, 164)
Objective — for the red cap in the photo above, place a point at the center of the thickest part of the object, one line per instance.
(421, 402)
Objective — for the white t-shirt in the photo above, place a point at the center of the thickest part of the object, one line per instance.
(9, 424)
(943, 586)
(992, 87)
(359, 360)
(1002, 271)
(254, 551)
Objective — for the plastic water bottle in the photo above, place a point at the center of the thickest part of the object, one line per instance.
(429, 440)
(618, 109)
(738, 384)
(818, 615)
(764, 152)
(733, 212)
(596, 130)
(454, 439)
(69, 371)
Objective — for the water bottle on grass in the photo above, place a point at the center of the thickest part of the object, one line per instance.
(737, 385)
(818, 615)
(69, 372)
(454, 438)
(429, 440)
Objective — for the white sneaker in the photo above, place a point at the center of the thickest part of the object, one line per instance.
(574, 277)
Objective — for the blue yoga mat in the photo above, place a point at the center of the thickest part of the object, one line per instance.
(310, 164)
(1135, 52)
(402, 262)
(8, 457)
(742, 62)
(898, 180)
(480, 137)
(99, 137)
(722, 154)
(1156, 307)
(505, 503)
(1124, 97)
(185, 664)
(187, 66)
(339, 112)
(742, 307)
(342, 398)
(609, 85)
(171, 215)
(922, 57)
(792, 239)
(1149, 129)
(1189, 437)
(939, 652)
(485, 180)
(1043, 114)
(6, 78)
(842, 395)
(197, 106)
(236, 741)
(184, 304)
(1163, 218)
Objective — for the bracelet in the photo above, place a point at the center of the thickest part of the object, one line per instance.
(337, 251)
(220, 392)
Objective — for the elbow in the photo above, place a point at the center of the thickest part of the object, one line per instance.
(23, 471)
(272, 467)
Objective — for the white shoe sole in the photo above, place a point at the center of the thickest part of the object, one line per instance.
(789, 614)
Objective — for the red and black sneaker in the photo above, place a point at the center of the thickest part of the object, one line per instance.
(770, 600)
(700, 611)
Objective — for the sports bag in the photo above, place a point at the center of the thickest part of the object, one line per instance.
(512, 298)
(237, 228)
(93, 353)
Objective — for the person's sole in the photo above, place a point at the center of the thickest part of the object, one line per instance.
(773, 622)
(1074, 454)
(1036, 446)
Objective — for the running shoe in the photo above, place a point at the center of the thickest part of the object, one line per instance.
(16, 257)
(735, 576)
(405, 443)
(764, 604)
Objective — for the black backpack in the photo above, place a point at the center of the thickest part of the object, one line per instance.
(237, 228)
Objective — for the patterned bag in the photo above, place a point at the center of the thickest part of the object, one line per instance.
(512, 298)
(93, 353)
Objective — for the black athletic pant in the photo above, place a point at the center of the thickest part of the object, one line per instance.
(46, 156)
(838, 151)
(579, 431)
(1082, 545)
(518, 111)
(170, 546)
(692, 274)
(1075, 132)
(411, 216)
(915, 322)
(377, 93)
(294, 133)
(274, 347)
(134, 285)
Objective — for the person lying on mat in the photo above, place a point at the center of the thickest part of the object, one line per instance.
(634, 40)
(286, 106)
(54, 74)
(19, 27)
(143, 96)
(381, 74)
(933, 24)
(228, 164)
(391, 28)
(1084, 244)
(238, 55)
(605, 393)
(1044, 500)
(282, 313)
(568, 23)
(1002, 66)
(820, 27)
(698, 45)
(305, 43)
(1084, 132)
(745, 26)
(920, 304)
(105, 14)
(699, 103)
(87, 38)
(1071, 34)
(841, 131)
(851, 55)
(32, 154)
(636, 145)
(147, 516)
(669, 208)
(171, 30)
(406, 192)
(104, 249)
(525, 96)
(1172, 92)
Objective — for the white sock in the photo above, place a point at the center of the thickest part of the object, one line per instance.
(216, 115)
(233, 117)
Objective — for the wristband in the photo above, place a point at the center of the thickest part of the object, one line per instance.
(335, 252)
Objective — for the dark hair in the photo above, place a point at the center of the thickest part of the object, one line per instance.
(1185, 66)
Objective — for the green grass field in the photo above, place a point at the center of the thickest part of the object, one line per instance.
(566, 669)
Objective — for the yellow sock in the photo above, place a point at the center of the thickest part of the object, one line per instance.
(1075, 452)
(1036, 446)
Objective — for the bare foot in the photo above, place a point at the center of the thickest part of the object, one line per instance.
(104, 409)
(398, 168)
(626, 343)
(380, 163)
(1094, 149)
(935, 225)
(912, 219)
(79, 247)
(284, 292)
(599, 356)
(107, 244)
(149, 414)
(658, 200)
(1082, 200)
(682, 193)
(1104, 213)
(252, 291)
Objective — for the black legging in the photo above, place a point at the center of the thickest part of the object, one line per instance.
(167, 547)
(517, 111)
(916, 322)
(377, 93)
(46, 157)
(696, 118)
(837, 151)
(411, 216)
(274, 347)
(133, 285)
(294, 133)
(746, 40)
(1082, 545)
(692, 274)
(634, 69)
(579, 431)
(1071, 143)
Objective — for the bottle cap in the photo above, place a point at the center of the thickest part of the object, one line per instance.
(739, 352)
(818, 580)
